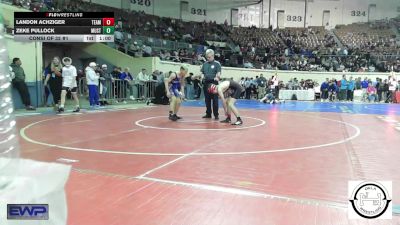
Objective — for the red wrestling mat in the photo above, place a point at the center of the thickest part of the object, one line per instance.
(137, 167)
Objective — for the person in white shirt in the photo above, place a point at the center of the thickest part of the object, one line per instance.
(92, 79)
(143, 78)
(69, 75)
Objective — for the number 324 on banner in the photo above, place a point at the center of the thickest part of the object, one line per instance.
(108, 21)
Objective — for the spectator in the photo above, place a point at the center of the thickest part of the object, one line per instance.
(364, 86)
(358, 83)
(147, 51)
(127, 83)
(54, 79)
(261, 84)
(189, 86)
(324, 90)
(343, 89)
(116, 73)
(46, 87)
(371, 91)
(392, 88)
(17, 3)
(159, 77)
(196, 86)
(92, 80)
(332, 90)
(247, 87)
(386, 93)
(106, 81)
(143, 78)
(379, 88)
(350, 89)
(118, 36)
(18, 82)
(248, 64)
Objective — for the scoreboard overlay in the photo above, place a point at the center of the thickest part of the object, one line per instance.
(64, 26)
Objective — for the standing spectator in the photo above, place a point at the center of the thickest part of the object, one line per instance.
(69, 75)
(160, 77)
(358, 83)
(189, 86)
(92, 80)
(343, 89)
(261, 84)
(46, 88)
(54, 78)
(211, 72)
(127, 83)
(143, 79)
(379, 88)
(364, 86)
(247, 87)
(18, 82)
(240, 59)
(350, 89)
(254, 87)
(116, 73)
(106, 81)
(392, 88)
(324, 90)
(196, 87)
(386, 90)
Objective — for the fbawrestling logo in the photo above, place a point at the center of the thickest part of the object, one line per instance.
(370, 199)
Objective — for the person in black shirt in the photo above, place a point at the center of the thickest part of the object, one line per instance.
(211, 74)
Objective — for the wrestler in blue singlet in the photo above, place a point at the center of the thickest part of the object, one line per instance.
(175, 87)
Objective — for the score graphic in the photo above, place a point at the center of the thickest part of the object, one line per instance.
(64, 27)
(108, 26)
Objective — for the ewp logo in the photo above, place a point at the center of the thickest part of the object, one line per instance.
(27, 211)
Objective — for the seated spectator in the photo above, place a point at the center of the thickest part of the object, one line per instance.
(17, 3)
(147, 52)
(135, 50)
(371, 91)
(332, 90)
(248, 64)
(118, 36)
(18, 82)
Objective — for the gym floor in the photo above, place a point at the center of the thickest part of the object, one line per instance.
(287, 164)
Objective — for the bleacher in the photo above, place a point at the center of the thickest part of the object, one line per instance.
(137, 30)
(311, 37)
(369, 37)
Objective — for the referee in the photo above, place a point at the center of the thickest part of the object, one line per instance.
(211, 72)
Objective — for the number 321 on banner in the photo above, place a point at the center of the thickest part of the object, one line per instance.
(108, 21)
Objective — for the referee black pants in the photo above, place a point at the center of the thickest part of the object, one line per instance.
(211, 98)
